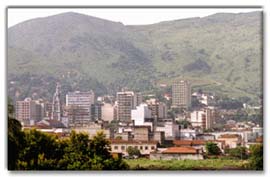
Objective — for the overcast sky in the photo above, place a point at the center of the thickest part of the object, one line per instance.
(126, 16)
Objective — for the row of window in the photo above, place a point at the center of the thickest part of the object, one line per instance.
(136, 147)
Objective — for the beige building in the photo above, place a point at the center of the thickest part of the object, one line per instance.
(29, 111)
(145, 147)
(91, 130)
(231, 140)
(181, 94)
(107, 112)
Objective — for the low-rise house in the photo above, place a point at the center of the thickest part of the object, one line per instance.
(231, 140)
(198, 144)
(177, 153)
(145, 147)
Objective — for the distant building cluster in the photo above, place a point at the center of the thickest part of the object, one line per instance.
(154, 127)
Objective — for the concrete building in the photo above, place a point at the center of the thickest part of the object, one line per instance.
(141, 133)
(79, 105)
(28, 111)
(141, 113)
(107, 112)
(231, 140)
(181, 94)
(159, 136)
(91, 129)
(177, 153)
(203, 118)
(188, 133)
(170, 128)
(126, 101)
(158, 109)
(145, 147)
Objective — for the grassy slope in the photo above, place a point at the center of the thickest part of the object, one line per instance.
(228, 45)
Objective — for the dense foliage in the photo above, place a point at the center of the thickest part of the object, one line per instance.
(34, 150)
(132, 151)
(238, 153)
(256, 157)
(212, 148)
(46, 152)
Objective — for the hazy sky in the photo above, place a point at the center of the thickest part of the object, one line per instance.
(126, 16)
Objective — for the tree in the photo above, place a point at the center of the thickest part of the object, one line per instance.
(238, 153)
(132, 151)
(212, 148)
(15, 136)
(38, 147)
(256, 157)
(184, 123)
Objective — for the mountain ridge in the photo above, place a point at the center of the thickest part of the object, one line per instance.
(79, 49)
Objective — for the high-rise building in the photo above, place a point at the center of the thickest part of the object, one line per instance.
(181, 94)
(158, 109)
(126, 101)
(56, 104)
(79, 105)
(28, 111)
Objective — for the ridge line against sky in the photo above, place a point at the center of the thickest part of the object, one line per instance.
(126, 16)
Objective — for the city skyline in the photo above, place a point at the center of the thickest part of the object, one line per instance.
(175, 95)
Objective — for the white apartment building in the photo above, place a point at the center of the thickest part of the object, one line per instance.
(139, 114)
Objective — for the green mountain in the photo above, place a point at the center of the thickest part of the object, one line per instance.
(221, 53)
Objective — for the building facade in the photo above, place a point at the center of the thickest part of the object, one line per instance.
(181, 94)
(79, 105)
(107, 112)
(158, 109)
(126, 101)
(121, 146)
(203, 118)
(28, 111)
(141, 113)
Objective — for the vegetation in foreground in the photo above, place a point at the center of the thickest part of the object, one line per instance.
(208, 164)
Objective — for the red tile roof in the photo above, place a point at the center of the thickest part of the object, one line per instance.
(180, 150)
